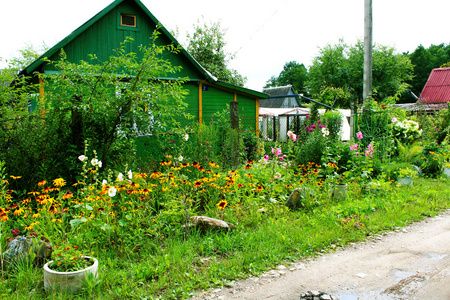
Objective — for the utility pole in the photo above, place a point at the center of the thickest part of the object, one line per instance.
(367, 85)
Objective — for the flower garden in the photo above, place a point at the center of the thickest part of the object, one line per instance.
(136, 223)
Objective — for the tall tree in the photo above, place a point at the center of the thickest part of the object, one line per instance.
(341, 66)
(294, 74)
(207, 45)
(424, 60)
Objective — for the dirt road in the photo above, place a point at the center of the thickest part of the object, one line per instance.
(410, 263)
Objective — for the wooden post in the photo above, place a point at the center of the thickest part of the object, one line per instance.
(234, 114)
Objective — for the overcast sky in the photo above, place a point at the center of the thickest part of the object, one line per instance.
(264, 34)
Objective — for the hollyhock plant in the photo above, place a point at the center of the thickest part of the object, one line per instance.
(359, 135)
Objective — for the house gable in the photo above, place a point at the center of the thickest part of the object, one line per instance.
(104, 32)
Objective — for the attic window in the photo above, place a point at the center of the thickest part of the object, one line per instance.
(128, 20)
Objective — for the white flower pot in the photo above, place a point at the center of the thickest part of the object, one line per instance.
(339, 192)
(70, 282)
(405, 181)
(446, 172)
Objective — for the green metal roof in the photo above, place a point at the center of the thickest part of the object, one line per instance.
(34, 66)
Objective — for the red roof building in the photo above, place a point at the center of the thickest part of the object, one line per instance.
(437, 89)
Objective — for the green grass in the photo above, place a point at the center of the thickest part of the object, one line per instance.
(178, 265)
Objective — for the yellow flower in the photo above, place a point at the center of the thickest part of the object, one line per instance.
(59, 182)
(57, 220)
(15, 177)
(222, 204)
(36, 215)
(41, 183)
(18, 212)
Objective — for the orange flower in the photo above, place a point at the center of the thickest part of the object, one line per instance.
(198, 183)
(67, 196)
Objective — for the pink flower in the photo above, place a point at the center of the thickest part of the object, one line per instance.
(276, 151)
(369, 150)
(266, 157)
(277, 175)
(294, 137)
(15, 231)
(359, 135)
(307, 116)
(354, 147)
(313, 126)
(394, 120)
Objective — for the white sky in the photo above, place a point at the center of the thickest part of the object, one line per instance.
(265, 34)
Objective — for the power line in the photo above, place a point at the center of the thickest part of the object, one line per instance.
(261, 27)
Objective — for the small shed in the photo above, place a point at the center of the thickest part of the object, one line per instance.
(104, 32)
(436, 92)
(280, 102)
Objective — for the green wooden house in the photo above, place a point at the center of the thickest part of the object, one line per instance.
(122, 18)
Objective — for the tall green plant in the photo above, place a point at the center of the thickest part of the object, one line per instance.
(112, 102)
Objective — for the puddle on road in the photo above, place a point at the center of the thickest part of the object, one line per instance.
(367, 296)
(434, 256)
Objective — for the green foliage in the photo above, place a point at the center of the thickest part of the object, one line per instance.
(430, 163)
(335, 97)
(311, 148)
(112, 102)
(293, 74)
(393, 170)
(207, 45)
(409, 152)
(424, 60)
(333, 120)
(443, 126)
(341, 66)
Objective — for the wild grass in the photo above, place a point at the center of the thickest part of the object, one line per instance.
(178, 265)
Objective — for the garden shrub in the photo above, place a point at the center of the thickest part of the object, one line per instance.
(430, 164)
(333, 120)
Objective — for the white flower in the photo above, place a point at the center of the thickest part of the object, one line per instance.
(104, 182)
(186, 137)
(112, 191)
(82, 157)
(99, 163)
(94, 162)
(325, 131)
(180, 158)
(120, 177)
(130, 174)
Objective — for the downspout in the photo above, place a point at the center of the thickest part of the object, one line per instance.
(200, 103)
(257, 116)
